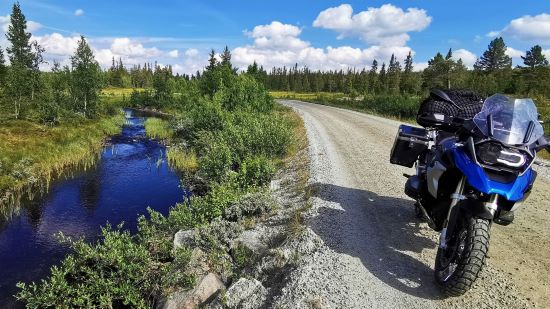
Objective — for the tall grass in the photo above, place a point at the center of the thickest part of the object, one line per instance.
(31, 155)
(158, 128)
(182, 160)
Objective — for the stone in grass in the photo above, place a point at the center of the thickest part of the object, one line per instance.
(243, 294)
(184, 238)
(206, 290)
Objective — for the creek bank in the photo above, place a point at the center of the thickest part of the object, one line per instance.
(35, 155)
(254, 246)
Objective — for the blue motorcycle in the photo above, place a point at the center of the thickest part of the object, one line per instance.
(473, 162)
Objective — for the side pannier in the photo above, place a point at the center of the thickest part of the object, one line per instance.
(409, 143)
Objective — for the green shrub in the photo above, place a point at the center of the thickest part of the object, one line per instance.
(255, 172)
(214, 203)
(115, 272)
(244, 93)
(216, 160)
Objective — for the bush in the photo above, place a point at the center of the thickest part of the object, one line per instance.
(116, 272)
(245, 93)
(250, 205)
(255, 172)
(216, 160)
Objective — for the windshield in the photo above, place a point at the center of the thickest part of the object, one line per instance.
(511, 121)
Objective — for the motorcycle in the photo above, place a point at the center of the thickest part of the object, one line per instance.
(470, 172)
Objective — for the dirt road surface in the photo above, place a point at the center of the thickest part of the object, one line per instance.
(373, 252)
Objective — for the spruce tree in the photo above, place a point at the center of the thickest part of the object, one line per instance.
(37, 60)
(21, 59)
(383, 79)
(226, 56)
(436, 74)
(534, 57)
(85, 78)
(394, 75)
(408, 63)
(3, 68)
(374, 83)
(410, 82)
(535, 77)
(494, 58)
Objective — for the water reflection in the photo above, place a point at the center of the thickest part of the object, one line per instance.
(131, 175)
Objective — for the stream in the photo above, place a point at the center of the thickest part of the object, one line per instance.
(130, 175)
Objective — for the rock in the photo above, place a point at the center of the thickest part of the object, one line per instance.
(205, 291)
(198, 262)
(245, 294)
(183, 238)
(252, 239)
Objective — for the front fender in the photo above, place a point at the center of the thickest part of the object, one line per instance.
(477, 178)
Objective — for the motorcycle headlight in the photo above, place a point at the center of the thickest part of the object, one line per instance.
(497, 154)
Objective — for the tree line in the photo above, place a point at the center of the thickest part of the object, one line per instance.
(73, 90)
(492, 73)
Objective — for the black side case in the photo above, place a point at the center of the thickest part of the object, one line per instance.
(409, 143)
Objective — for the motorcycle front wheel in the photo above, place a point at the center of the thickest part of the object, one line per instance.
(458, 266)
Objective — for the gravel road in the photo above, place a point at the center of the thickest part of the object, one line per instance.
(371, 250)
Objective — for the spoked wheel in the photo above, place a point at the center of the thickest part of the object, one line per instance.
(458, 266)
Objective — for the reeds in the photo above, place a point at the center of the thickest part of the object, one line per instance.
(181, 159)
(158, 128)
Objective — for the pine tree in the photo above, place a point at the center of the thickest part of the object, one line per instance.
(408, 63)
(394, 75)
(37, 60)
(534, 57)
(410, 83)
(212, 61)
(21, 59)
(3, 68)
(59, 83)
(383, 79)
(226, 56)
(494, 58)
(85, 78)
(374, 83)
(535, 76)
(436, 74)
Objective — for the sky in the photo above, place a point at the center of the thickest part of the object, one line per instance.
(321, 34)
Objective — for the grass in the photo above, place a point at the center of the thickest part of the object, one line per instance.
(31, 155)
(119, 92)
(182, 160)
(158, 128)
(310, 96)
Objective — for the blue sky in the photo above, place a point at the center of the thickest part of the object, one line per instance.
(320, 34)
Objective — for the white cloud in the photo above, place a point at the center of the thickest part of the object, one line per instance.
(279, 44)
(31, 25)
(191, 52)
(535, 29)
(127, 47)
(468, 58)
(420, 66)
(387, 25)
(546, 53)
(57, 44)
(79, 12)
(514, 53)
(277, 36)
(173, 53)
